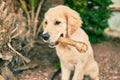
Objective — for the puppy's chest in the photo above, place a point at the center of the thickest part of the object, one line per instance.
(68, 55)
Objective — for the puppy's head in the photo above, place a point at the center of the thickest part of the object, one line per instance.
(60, 21)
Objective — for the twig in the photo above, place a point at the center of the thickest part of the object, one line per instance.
(17, 34)
(23, 57)
(2, 5)
(24, 6)
(32, 14)
(36, 17)
(15, 28)
(13, 31)
(39, 28)
(26, 10)
(28, 66)
(5, 12)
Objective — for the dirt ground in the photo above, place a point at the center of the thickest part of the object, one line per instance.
(107, 55)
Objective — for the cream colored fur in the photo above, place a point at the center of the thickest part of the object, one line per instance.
(70, 58)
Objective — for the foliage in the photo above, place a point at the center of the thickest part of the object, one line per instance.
(57, 65)
(95, 15)
(32, 3)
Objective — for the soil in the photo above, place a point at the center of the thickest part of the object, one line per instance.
(107, 54)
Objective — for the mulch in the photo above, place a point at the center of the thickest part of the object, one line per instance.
(107, 54)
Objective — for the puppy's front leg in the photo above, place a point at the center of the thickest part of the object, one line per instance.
(65, 72)
(79, 72)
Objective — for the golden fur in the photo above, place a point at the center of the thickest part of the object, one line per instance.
(70, 58)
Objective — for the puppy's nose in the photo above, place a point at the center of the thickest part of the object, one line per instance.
(46, 36)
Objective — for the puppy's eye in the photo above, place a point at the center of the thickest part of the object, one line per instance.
(45, 22)
(57, 22)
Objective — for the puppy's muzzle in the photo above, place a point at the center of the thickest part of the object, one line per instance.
(46, 36)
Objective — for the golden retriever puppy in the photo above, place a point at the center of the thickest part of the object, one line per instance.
(61, 21)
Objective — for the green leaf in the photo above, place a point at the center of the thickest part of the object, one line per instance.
(32, 3)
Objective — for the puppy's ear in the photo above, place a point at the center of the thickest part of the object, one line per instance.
(73, 21)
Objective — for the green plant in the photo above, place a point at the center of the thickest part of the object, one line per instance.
(95, 15)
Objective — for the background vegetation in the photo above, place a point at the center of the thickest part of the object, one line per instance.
(95, 15)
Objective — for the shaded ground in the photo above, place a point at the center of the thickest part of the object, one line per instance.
(107, 54)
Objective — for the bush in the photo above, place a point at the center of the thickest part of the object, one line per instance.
(95, 15)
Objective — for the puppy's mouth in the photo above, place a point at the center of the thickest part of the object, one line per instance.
(53, 44)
